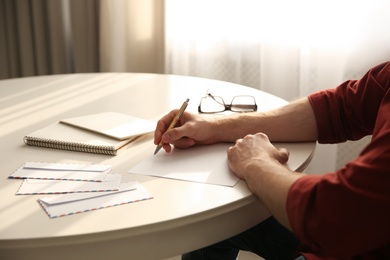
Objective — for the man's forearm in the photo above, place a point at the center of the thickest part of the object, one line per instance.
(271, 184)
(293, 122)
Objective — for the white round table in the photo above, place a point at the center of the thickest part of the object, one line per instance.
(182, 216)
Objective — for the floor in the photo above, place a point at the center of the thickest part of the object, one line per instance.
(242, 256)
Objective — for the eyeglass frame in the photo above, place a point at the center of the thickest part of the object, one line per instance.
(228, 107)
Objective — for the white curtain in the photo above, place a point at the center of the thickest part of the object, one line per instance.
(287, 48)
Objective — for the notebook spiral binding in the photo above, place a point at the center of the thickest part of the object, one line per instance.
(70, 146)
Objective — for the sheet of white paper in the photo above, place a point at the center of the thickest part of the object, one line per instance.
(57, 172)
(205, 164)
(69, 204)
(36, 186)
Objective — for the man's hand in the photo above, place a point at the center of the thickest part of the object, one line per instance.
(252, 153)
(191, 129)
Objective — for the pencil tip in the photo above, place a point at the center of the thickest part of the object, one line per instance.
(157, 149)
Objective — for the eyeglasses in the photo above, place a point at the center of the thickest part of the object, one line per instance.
(214, 104)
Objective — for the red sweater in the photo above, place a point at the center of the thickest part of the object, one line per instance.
(346, 214)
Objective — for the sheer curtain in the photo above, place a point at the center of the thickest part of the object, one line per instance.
(287, 48)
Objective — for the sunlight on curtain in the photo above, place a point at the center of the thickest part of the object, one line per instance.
(280, 22)
(270, 44)
(287, 48)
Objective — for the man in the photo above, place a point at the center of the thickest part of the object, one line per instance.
(337, 215)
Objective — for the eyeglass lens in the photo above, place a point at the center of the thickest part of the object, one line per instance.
(243, 104)
(212, 104)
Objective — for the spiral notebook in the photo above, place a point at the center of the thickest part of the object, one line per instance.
(89, 133)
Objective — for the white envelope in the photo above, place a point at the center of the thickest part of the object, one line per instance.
(62, 171)
(35, 186)
(204, 164)
(67, 166)
(73, 203)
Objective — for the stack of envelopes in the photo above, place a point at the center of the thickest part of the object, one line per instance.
(79, 187)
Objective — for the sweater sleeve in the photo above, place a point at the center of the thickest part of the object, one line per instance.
(348, 112)
(346, 213)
